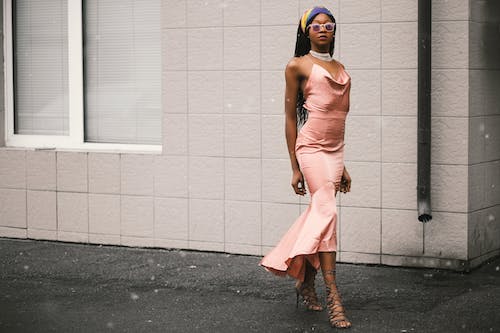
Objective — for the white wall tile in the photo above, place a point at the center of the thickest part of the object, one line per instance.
(492, 137)
(399, 42)
(273, 137)
(273, 92)
(206, 246)
(42, 211)
(399, 10)
(450, 95)
(242, 92)
(399, 92)
(366, 182)
(242, 48)
(449, 187)
(206, 221)
(276, 180)
(236, 12)
(476, 144)
(492, 183)
(175, 134)
(204, 13)
(72, 172)
(356, 257)
(173, 13)
(280, 12)
(449, 142)
(355, 11)
(13, 208)
(276, 220)
(242, 179)
(399, 183)
(137, 216)
(71, 236)
(41, 234)
(41, 170)
(450, 44)
(171, 243)
(361, 45)
(205, 92)
(450, 10)
(174, 49)
(399, 139)
(137, 241)
(174, 92)
(205, 49)
(362, 138)
(278, 46)
(255, 250)
(365, 92)
(104, 239)
(242, 136)
(360, 230)
(206, 177)
(137, 174)
(206, 136)
(476, 186)
(13, 232)
(402, 233)
(104, 173)
(243, 222)
(104, 214)
(171, 176)
(72, 213)
(446, 236)
(13, 168)
(171, 218)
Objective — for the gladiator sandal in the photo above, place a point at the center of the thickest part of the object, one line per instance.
(308, 292)
(336, 312)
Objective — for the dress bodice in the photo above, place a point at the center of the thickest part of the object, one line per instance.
(325, 96)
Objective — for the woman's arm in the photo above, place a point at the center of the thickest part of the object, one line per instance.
(291, 91)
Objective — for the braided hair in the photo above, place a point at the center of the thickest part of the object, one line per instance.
(303, 46)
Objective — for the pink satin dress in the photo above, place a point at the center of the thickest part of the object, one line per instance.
(320, 153)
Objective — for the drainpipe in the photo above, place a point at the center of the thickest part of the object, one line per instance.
(424, 111)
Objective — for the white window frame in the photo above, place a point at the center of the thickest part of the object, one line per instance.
(75, 139)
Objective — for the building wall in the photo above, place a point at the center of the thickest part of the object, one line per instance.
(484, 130)
(222, 181)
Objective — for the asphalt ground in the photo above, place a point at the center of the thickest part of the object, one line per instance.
(64, 287)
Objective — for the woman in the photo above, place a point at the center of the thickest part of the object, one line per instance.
(317, 90)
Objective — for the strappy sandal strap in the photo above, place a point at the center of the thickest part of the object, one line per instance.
(335, 308)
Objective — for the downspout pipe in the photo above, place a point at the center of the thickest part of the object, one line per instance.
(424, 112)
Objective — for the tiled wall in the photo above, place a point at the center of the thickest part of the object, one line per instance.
(222, 182)
(484, 130)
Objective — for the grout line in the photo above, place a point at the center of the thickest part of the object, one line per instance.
(380, 138)
(187, 132)
(223, 138)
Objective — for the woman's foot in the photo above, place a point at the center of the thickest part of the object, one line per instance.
(307, 291)
(335, 308)
(309, 297)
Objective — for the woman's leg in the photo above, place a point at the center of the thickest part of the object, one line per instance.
(307, 290)
(334, 303)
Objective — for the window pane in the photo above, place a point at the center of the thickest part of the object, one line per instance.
(122, 71)
(41, 67)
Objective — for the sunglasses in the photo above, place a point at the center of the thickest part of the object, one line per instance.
(316, 27)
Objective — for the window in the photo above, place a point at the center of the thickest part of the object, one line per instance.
(83, 73)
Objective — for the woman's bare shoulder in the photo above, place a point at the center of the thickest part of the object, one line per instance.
(295, 66)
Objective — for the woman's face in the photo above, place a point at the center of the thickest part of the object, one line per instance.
(321, 37)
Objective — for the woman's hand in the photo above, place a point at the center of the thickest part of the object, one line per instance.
(298, 183)
(345, 183)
